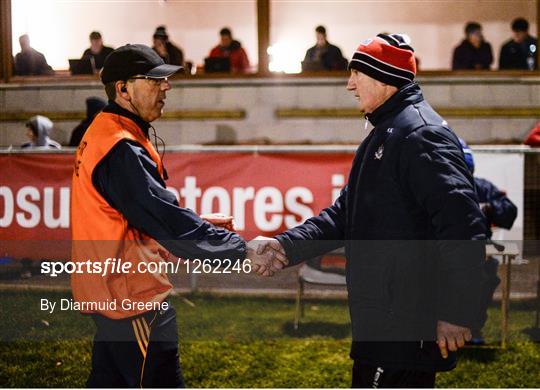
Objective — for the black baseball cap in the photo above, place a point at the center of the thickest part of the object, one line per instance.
(131, 60)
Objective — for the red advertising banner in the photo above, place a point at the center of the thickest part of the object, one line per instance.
(265, 192)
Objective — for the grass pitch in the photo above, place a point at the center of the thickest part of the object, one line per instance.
(242, 342)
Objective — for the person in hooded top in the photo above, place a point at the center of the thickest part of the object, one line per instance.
(94, 105)
(38, 129)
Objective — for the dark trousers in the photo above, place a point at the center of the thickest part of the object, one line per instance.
(140, 351)
(367, 376)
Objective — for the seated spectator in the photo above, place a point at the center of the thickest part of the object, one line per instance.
(97, 52)
(499, 212)
(473, 52)
(533, 138)
(38, 129)
(324, 55)
(30, 62)
(94, 105)
(232, 49)
(520, 51)
(170, 53)
(498, 209)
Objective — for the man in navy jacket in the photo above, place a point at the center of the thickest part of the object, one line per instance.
(411, 226)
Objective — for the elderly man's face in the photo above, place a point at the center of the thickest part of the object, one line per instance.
(369, 92)
(148, 97)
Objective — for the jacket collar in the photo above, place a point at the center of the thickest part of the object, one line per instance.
(114, 108)
(407, 95)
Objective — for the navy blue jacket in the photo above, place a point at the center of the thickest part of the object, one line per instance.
(516, 55)
(330, 57)
(410, 223)
(498, 209)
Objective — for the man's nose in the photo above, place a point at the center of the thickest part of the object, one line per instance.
(165, 85)
(350, 84)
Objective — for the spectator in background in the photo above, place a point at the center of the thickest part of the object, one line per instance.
(533, 138)
(499, 212)
(232, 49)
(170, 53)
(498, 209)
(97, 52)
(30, 62)
(474, 52)
(520, 51)
(94, 105)
(324, 55)
(38, 129)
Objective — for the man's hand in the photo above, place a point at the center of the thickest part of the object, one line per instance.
(451, 337)
(220, 220)
(267, 255)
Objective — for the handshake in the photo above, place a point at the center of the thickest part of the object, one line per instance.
(266, 254)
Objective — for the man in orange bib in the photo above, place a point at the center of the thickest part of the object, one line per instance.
(121, 209)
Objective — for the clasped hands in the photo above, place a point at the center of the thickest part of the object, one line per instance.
(266, 254)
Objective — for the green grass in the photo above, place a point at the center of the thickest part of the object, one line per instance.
(241, 342)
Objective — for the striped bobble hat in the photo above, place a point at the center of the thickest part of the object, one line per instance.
(387, 58)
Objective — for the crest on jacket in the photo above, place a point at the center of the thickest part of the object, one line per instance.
(379, 152)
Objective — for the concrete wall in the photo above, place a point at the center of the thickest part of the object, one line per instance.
(260, 98)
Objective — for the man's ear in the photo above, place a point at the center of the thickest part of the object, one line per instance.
(121, 90)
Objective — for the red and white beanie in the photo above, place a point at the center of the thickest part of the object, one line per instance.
(387, 58)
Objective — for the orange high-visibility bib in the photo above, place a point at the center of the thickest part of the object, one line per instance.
(99, 231)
